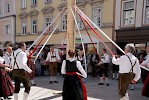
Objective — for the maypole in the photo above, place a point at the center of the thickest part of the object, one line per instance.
(70, 27)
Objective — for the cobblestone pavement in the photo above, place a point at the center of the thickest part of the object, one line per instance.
(45, 91)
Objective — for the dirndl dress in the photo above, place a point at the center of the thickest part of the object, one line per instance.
(6, 86)
(145, 90)
(31, 65)
(73, 87)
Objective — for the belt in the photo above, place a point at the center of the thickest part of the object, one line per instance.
(71, 73)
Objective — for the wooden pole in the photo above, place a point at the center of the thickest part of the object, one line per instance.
(70, 27)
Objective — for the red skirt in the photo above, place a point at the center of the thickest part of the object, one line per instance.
(145, 91)
(6, 86)
(31, 65)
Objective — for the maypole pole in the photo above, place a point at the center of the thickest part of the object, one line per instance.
(70, 27)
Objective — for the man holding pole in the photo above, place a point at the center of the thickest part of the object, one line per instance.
(128, 67)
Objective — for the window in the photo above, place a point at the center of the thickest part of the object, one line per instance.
(96, 15)
(7, 7)
(23, 3)
(7, 29)
(128, 13)
(23, 28)
(79, 21)
(34, 26)
(34, 2)
(48, 21)
(146, 12)
(64, 22)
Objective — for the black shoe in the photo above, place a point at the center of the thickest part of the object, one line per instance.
(100, 84)
(107, 84)
(55, 82)
(50, 82)
(8, 97)
(113, 78)
(33, 84)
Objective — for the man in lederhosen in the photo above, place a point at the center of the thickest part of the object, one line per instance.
(105, 60)
(52, 59)
(19, 64)
(128, 64)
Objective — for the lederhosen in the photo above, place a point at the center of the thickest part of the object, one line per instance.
(53, 65)
(20, 76)
(73, 87)
(103, 68)
(125, 79)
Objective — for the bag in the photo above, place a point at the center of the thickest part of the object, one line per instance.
(7, 86)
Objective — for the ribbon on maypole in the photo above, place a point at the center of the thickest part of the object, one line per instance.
(47, 30)
(80, 37)
(96, 33)
(88, 33)
(46, 41)
(87, 19)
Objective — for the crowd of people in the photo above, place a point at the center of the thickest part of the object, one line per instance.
(20, 65)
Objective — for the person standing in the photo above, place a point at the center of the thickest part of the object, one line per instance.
(145, 78)
(128, 64)
(7, 55)
(19, 64)
(6, 86)
(94, 60)
(31, 65)
(52, 58)
(105, 60)
(73, 87)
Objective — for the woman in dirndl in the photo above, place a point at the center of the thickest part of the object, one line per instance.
(6, 86)
(31, 65)
(73, 87)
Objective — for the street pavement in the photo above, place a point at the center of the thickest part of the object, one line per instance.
(45, 91)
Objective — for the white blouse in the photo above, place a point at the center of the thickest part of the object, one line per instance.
(79, 66)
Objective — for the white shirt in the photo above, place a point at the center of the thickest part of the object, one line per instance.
(21, 60)
(7, 58)
(1, 60)
(105, 58)
(79, 66)
(125, 65)
(146, 61)
(52, 59)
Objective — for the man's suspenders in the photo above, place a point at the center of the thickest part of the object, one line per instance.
(15, 62)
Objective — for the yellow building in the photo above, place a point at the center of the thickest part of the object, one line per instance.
(33, 16)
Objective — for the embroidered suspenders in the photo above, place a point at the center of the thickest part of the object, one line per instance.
(15, 62)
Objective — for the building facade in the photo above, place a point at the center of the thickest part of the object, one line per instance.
(132, 22)
(7, 20)
(33, 16)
